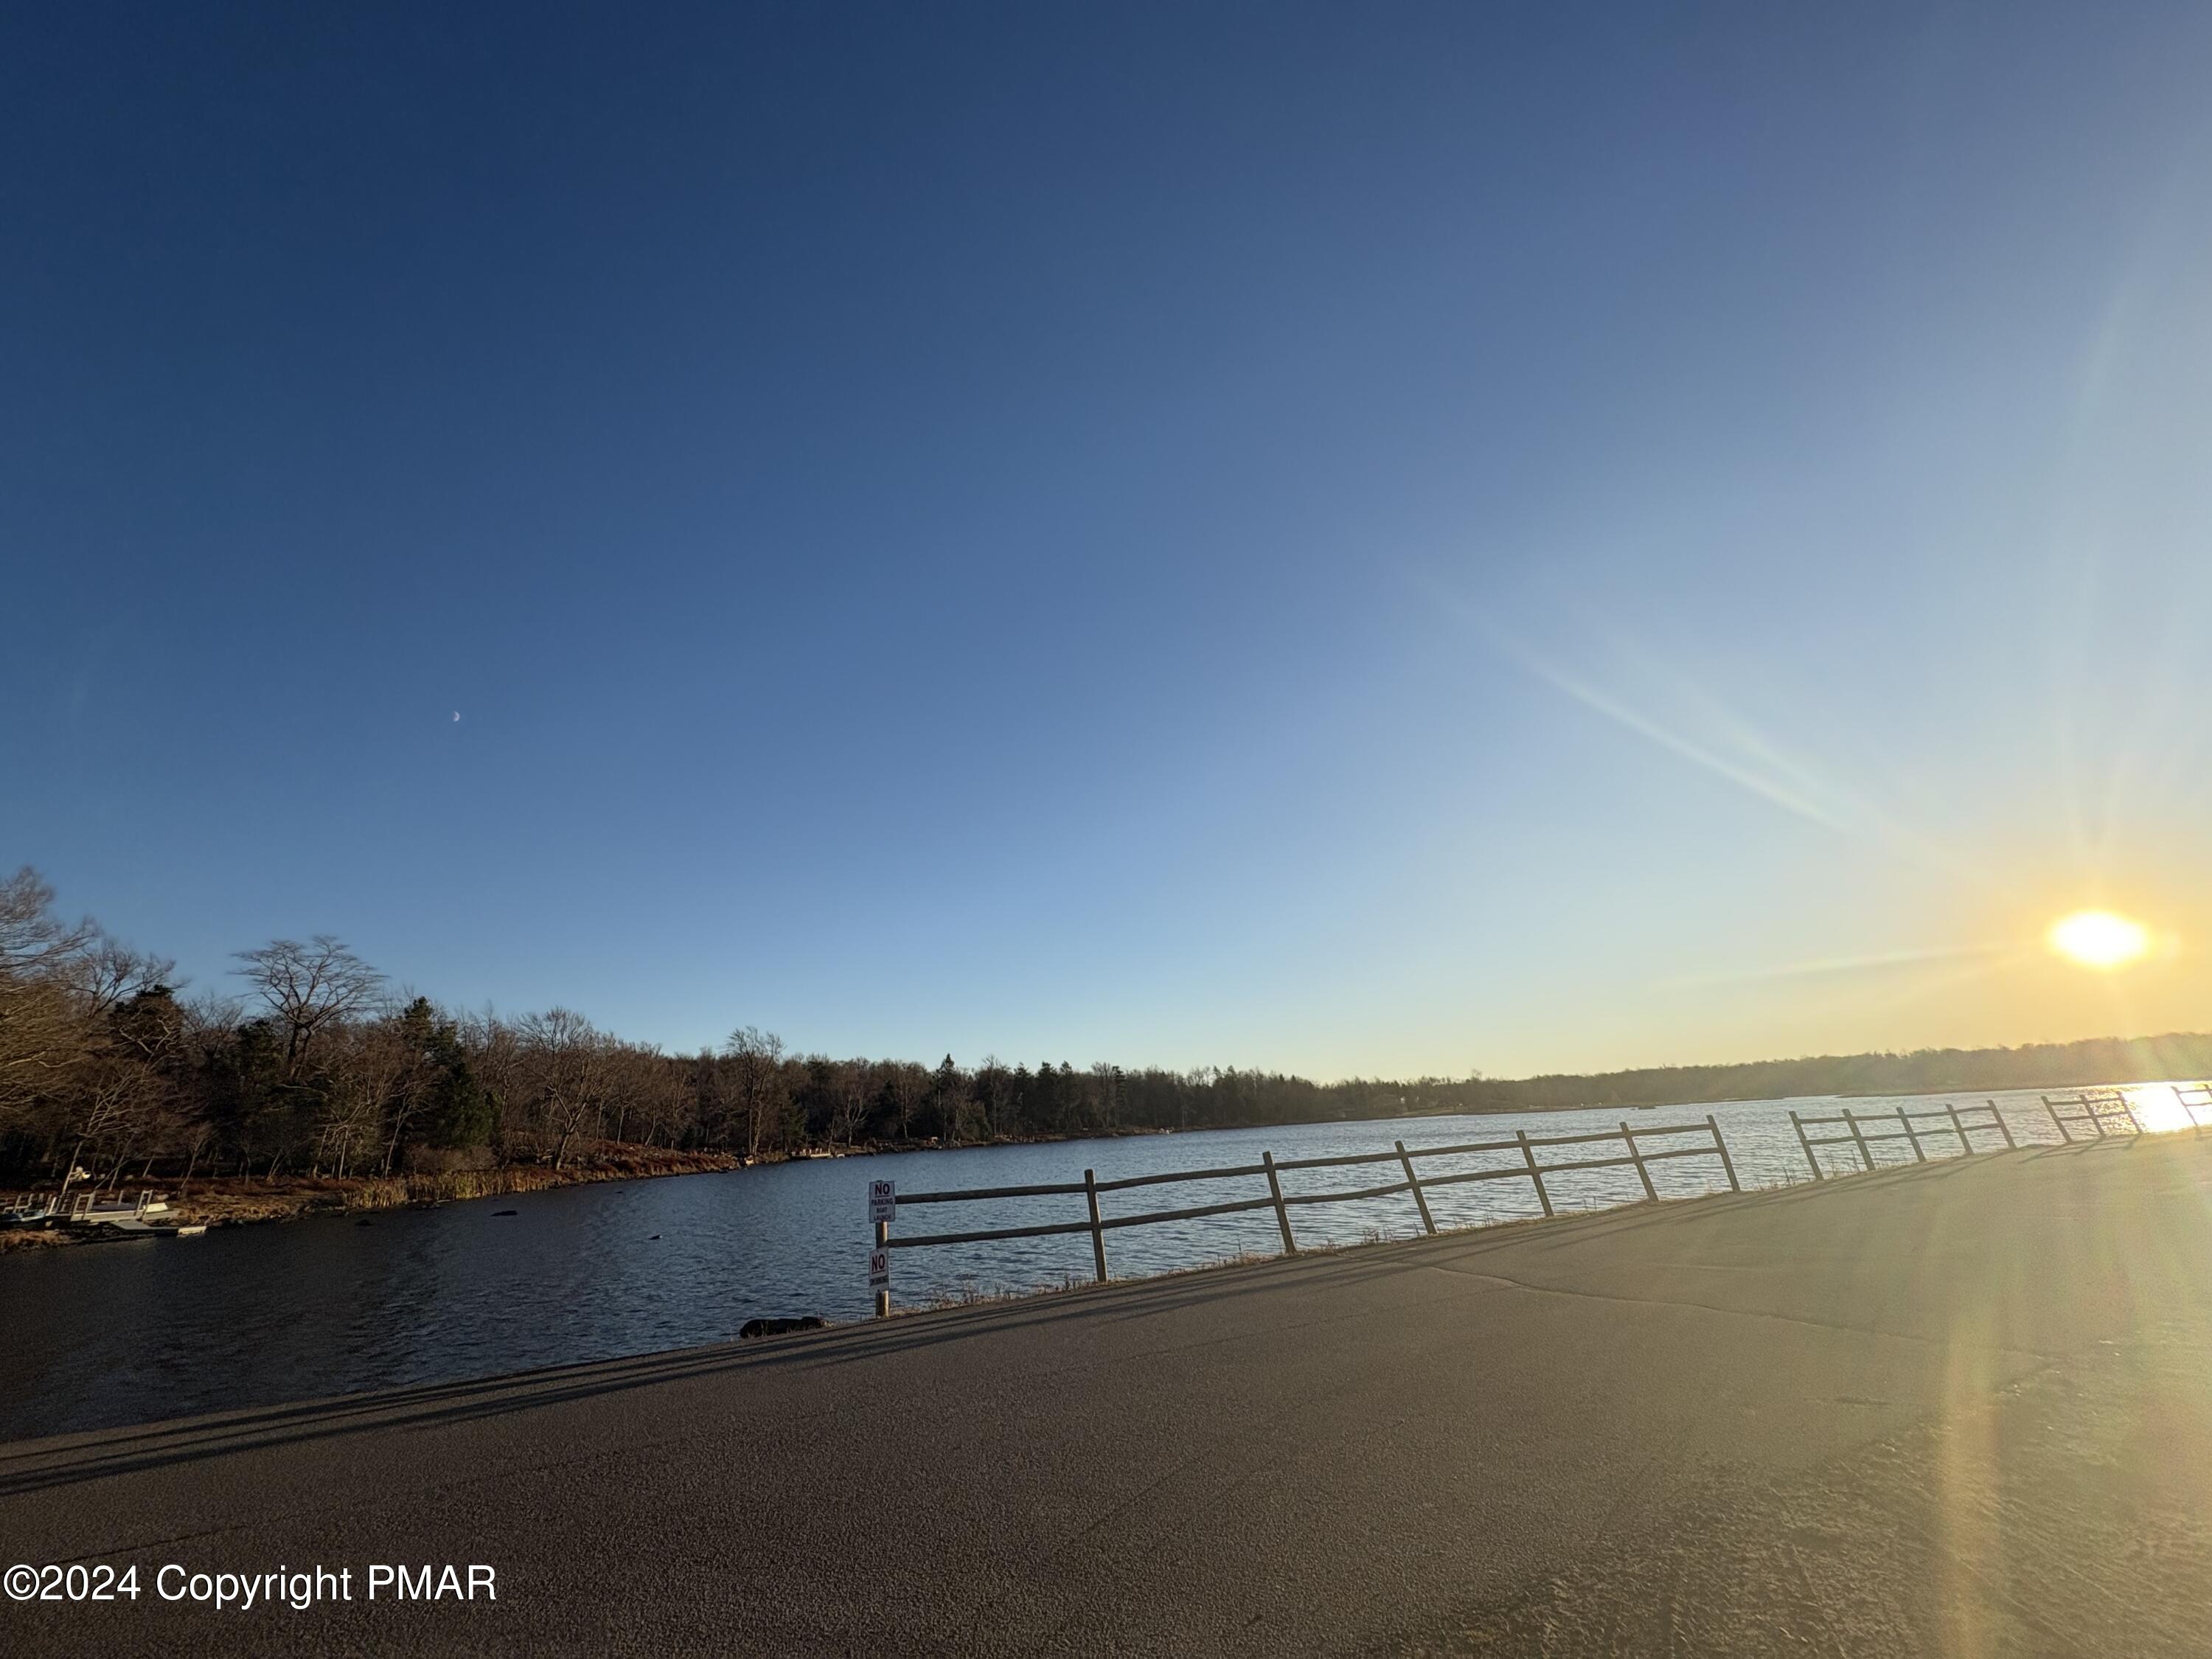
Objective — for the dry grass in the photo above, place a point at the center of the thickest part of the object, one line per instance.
(232, 1201)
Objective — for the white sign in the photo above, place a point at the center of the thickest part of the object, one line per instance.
(883, 1200)
(880, 1269)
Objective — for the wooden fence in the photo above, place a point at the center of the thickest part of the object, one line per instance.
(2095, 1108)
(1954, 1123)
(2092, 1108)
(1411, 1182)
(2194, 1097)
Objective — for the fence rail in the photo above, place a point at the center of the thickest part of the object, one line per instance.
(1412, 1183)
(1945, 1123)
(2098, 1107)
(2192, 1098)
(1856, 1122)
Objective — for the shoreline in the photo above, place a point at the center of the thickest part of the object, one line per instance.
(250, 1200)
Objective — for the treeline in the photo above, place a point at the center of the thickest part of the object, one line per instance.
(2182, 1056)
(319, 1068)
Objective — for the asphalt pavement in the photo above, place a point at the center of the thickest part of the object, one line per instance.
(1387, 1449)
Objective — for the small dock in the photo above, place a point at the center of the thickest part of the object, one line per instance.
(143, 1213)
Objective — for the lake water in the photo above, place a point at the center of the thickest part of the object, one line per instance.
(96, 1336)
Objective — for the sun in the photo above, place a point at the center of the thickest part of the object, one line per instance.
(2099, 938)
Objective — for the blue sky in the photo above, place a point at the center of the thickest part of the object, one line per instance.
(1378, 538)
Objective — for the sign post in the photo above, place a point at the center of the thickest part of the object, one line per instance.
(883, 1205)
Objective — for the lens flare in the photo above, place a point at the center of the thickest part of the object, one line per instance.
(2099, 938)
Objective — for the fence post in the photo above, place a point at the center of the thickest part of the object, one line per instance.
(1414, 1181)
(1728, 1163)
(1958, 1128)
(2057, 1122)
(1282, 1210)
(2129, 1107)
(1098, 1232)
(1906, 1122)
(1535, 1173)
(1810, 1158)
(882, 1297)
(1636, 1157)
(1866, 1156)
(2003, 1128)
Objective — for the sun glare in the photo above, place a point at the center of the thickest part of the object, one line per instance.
(2099, 938)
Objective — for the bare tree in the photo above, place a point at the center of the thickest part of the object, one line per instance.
(756, 1081)
(494, 1052)
(655, 1094)
(1106, 1091)
(307, 987)
(848, 1099)
(567, 1063)
(711, 1096)
(351, 1121)
(378, 1084)
(45, 1026)
(645, 1089)
(106, 1109)
(34, 940)
(107, 973)
(906, 1086)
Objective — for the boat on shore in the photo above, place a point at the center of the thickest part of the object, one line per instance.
(30, 1210)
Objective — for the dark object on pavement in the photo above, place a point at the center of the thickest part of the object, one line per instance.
(753, 1328)
(501, 1212)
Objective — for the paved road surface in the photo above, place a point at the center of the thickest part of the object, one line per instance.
(1957, 1408)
